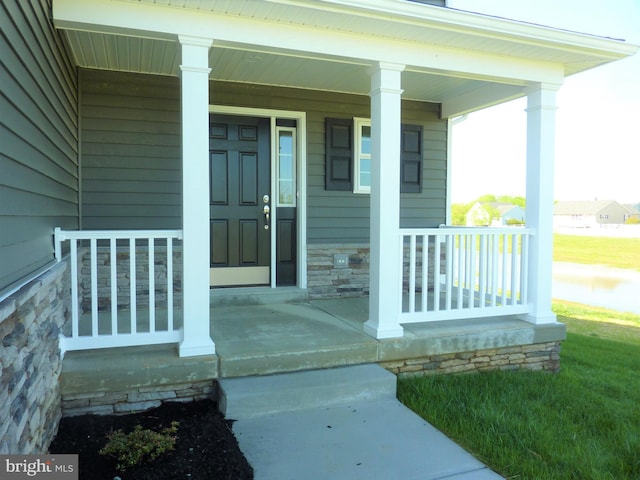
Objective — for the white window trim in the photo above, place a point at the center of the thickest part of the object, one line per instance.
(358, 123)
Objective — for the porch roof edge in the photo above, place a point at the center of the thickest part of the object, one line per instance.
(464, 28)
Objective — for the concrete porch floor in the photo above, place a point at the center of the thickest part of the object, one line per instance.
(259, 332)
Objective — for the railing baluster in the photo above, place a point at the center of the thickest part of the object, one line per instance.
(483, 271)
(436, 274)
(449, 270)
(494, 269)
(514, 269)
(152, 285)
(412, 273)
(94, 287)
(133, 307)
(461, 270)
(75, 317)
(425, 273)
(505, 247)
(170, 284)
(472, 275)
(113, 261)
(524, 255)
(401, 282)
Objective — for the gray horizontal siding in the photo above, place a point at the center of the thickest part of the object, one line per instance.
(130, 142)
(38, 139)
(344, 216)
(131, 157)
(427, 209)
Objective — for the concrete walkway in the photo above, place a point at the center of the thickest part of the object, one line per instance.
(348, 432)
(378, 439)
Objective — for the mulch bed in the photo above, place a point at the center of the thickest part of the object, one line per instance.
(205, 446)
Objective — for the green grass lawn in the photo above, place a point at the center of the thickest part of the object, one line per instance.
(614, 252)
(582, 423)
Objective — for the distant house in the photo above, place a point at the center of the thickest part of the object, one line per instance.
(633, 209)
(585, 214)
(496, 214)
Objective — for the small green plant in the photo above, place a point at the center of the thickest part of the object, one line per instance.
(139, 446)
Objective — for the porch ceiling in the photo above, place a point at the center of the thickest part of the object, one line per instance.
(464, 61)
(160, 57)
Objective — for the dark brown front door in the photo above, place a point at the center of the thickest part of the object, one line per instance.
(240, 212)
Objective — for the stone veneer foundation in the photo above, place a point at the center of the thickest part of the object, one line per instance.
(541, 356)
(31, 321)
(134, 400)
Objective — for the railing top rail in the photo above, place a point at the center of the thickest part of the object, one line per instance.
(62, 235)
(444, 230)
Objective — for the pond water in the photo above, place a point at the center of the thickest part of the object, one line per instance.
(596, 285)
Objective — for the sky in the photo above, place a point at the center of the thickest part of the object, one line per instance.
(597, 122)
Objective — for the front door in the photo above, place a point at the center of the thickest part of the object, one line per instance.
(240, 211)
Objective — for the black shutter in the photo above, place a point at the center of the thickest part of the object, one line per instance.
(339, 154)
(411, 159)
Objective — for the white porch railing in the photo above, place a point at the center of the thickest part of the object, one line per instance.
(455, 273)
(105, 307)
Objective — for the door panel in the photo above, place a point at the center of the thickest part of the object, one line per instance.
(286, 247)
(249, 231)
(219, 238)
(218, 184)
(248, 179)
(240, 177)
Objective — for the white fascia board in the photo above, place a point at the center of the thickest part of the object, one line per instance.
(478, 24)
(153, 21)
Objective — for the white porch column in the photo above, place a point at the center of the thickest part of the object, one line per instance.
(195, 195)
(385, 264)
(541, 113)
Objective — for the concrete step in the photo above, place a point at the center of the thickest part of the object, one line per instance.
(226, 297)
(249, 397)
(126, 368)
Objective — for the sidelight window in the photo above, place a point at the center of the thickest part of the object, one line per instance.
(286, 168)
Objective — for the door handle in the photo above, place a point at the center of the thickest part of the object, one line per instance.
(266, 210)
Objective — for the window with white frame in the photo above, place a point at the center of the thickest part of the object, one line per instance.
(362, 156)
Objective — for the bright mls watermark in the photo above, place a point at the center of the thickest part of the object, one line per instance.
(51, 467)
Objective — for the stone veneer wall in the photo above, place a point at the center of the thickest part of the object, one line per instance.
(542, 356)
(123, 276)
(31, 321)
(134, 400)
(325, 279)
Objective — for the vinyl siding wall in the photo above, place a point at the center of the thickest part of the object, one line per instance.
(131, 154)
(130, 141)
(38, 139)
